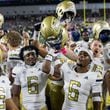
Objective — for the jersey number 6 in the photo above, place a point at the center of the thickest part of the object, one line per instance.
(32, 85)
(73, 93)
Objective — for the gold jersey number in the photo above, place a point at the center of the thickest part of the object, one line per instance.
(32, 85)
(97, 68)
(2, 99)
(73, 93)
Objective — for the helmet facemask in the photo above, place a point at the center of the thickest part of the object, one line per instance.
(67, 17)
(66, 11)
(55, 42)
(104, 36)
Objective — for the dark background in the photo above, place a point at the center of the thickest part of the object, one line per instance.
(41, 2)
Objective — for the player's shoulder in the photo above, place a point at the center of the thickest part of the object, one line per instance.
(97, 67)
(18, 68)
(96, 76)
(4, 79)
(67, 65)
(39, 64)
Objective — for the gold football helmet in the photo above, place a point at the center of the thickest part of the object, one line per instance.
(101, 31)
(52, 33)
(3, 53)
(49, 27)
(59, 41)
(64, 37)
(1, 56)
(1, 20)
(98, 27)
(66, 11)
(4, 39)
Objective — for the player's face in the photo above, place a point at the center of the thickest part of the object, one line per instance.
(85, 36)
(30, 58)
(84, 59)
(97, 48)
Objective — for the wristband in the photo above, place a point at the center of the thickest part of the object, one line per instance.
(49, 57)
(97, 98)
(63, 51)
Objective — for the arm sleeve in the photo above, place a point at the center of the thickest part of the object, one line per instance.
(8, 91)
(62, 72)
(97, 88)
(8, 88)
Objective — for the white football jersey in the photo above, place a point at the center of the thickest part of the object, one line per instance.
(82, 43)
(33, 82)
(106, 66)
(4, 91)
(77, 87)
(13, 57)
(97, 67)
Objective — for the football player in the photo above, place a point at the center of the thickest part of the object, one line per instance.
(79, 82)
(6, 102)
(30, 80)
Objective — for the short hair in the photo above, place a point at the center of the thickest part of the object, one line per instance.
(28, 48)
